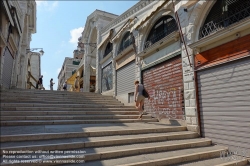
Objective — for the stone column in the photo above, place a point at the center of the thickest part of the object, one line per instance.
(98, 67)
(114, 69)
(86, 75)
(188, 74)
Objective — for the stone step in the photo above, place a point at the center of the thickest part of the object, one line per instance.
(71, 117)
(26, 91)
(59, 97)
(136, 149)
(163, 158)
(168, 157)
(124, 108)
(98, 133)
(60, 105)
(21, 100)
(32, 113)
(53, 122)
(66, 102)
(218, 161)
(87, 142)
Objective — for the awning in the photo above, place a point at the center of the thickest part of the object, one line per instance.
(71, 80)
(155, 8)
(5, 3)
(129, 22)
(106, 38)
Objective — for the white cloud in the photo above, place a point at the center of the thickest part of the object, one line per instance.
(48, 6)
(75, 34)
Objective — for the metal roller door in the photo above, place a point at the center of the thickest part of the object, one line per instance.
(125, 79)
(164, 82)
(7, 69)
(224, 101)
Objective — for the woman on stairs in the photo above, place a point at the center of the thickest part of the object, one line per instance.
(139, 98)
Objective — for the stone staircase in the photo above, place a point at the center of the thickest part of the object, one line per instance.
(67, 128)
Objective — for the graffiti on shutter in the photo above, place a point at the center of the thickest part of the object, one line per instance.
(164, 83)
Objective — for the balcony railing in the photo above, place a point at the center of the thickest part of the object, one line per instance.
(125, 45)
(243, 11)
(158, 36)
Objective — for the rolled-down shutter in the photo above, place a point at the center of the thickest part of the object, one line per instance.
(164, 82)
(126, 78)
(224, 101)
(7, 69)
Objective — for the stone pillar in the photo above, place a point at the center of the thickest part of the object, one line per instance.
(114, 68)
(98, 67)
(86, 75)
(188, 74)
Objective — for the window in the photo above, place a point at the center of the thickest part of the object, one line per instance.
(76, 62)
(163, 27)
(107, 78)
(127, 40)
(223, 14)
(108, 49)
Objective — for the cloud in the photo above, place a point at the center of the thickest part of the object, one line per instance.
(75, 34)
(45, 5)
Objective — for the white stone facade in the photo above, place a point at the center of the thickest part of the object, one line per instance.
(21, 17)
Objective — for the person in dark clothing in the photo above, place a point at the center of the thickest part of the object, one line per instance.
(40, 83)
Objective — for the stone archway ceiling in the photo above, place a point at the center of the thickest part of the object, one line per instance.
(155, 8)
(130, 22)
(106, 38)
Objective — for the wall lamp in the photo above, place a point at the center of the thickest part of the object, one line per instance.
(32, 49)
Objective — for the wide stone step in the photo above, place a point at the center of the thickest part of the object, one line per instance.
(100, 132)
(91, 154)
(72, 117)
(60, 105)
(124, 108)
(86, 142)
(162, 158)
(59, 98)
(32, 113)
(167, 157)
(218, 161)
(54, 122)
(56, 100)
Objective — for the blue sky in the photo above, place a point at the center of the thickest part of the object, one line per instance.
(59, 24)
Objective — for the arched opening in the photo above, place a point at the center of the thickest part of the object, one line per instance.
(224, 13)
(163, 27)
(127, 40)
(108, 49)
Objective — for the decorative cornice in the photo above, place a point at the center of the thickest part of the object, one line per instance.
(106, 58)
(163, 42)
(124, 52)
(140, 5)
(228, 31)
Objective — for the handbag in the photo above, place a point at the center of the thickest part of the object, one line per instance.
(145, 93)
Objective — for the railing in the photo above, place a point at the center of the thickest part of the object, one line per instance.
(30, 84)
(159, 36)
(125, 45)
(243, 11)
(107, 52)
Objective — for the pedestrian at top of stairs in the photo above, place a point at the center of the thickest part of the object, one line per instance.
(65, 86)
(40, 83)
(51, 84)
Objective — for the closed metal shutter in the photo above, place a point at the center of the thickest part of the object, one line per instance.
(7, 69)
(125, 79)
(164, 82)
(224, 101)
